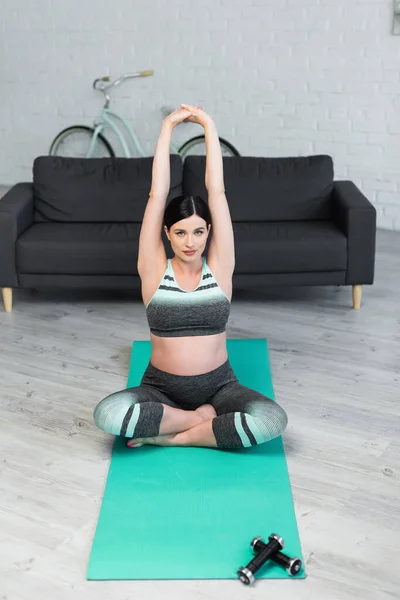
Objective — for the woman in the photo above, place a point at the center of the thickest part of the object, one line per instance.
(189, 394)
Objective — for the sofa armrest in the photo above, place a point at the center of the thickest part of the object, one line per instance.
(354, 214)
(16, 215)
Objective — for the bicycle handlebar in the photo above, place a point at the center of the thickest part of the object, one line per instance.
(107, 78)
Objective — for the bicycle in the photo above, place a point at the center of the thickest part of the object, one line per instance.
(95, 144)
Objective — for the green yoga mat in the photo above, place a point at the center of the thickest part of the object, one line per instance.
(191, 513)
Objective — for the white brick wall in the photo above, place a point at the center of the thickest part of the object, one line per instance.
(280, 77)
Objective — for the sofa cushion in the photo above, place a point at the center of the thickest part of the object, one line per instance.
(289, 247)
(98, 248)
(112, 190)
(77, 248)
(269, 189)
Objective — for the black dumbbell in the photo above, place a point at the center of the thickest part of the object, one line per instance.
(275, 543)
(292, 565)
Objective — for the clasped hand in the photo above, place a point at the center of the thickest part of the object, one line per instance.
(188, 113)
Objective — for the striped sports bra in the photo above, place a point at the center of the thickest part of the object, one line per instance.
(174, 312)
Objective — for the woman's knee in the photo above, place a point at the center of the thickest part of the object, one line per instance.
(266, 420)
(258, 422)
(109, 414)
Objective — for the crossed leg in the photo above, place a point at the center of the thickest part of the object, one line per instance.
(146, 416)
(238, 417)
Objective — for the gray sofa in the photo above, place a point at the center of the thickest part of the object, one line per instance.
(77, 224)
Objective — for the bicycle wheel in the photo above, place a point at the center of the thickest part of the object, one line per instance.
(197, 146)
(75, 142)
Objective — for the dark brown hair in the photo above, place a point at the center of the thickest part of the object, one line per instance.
(186, 206)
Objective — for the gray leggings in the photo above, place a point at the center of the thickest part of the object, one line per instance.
(244, 416)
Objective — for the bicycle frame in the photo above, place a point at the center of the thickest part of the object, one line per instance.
(108, 118)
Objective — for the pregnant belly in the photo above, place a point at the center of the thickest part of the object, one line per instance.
(191, 355)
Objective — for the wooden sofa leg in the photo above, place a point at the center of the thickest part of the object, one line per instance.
(357, 293)
(7, 298)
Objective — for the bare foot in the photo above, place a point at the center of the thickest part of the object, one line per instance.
(161, 440)
(134, 443)
(206, 411)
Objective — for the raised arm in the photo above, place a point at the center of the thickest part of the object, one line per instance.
(214, 176)
(160, 181)
(151, 248)
(214, 166)
(221, 251)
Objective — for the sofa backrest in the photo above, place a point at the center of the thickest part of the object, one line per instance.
(117, 189)
(269, 189)
(96, 189)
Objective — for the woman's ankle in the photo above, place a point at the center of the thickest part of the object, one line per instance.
(176, 420)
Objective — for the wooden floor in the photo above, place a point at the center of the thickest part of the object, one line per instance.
(336, 371)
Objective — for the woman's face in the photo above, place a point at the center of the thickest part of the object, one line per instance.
(188, 234)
